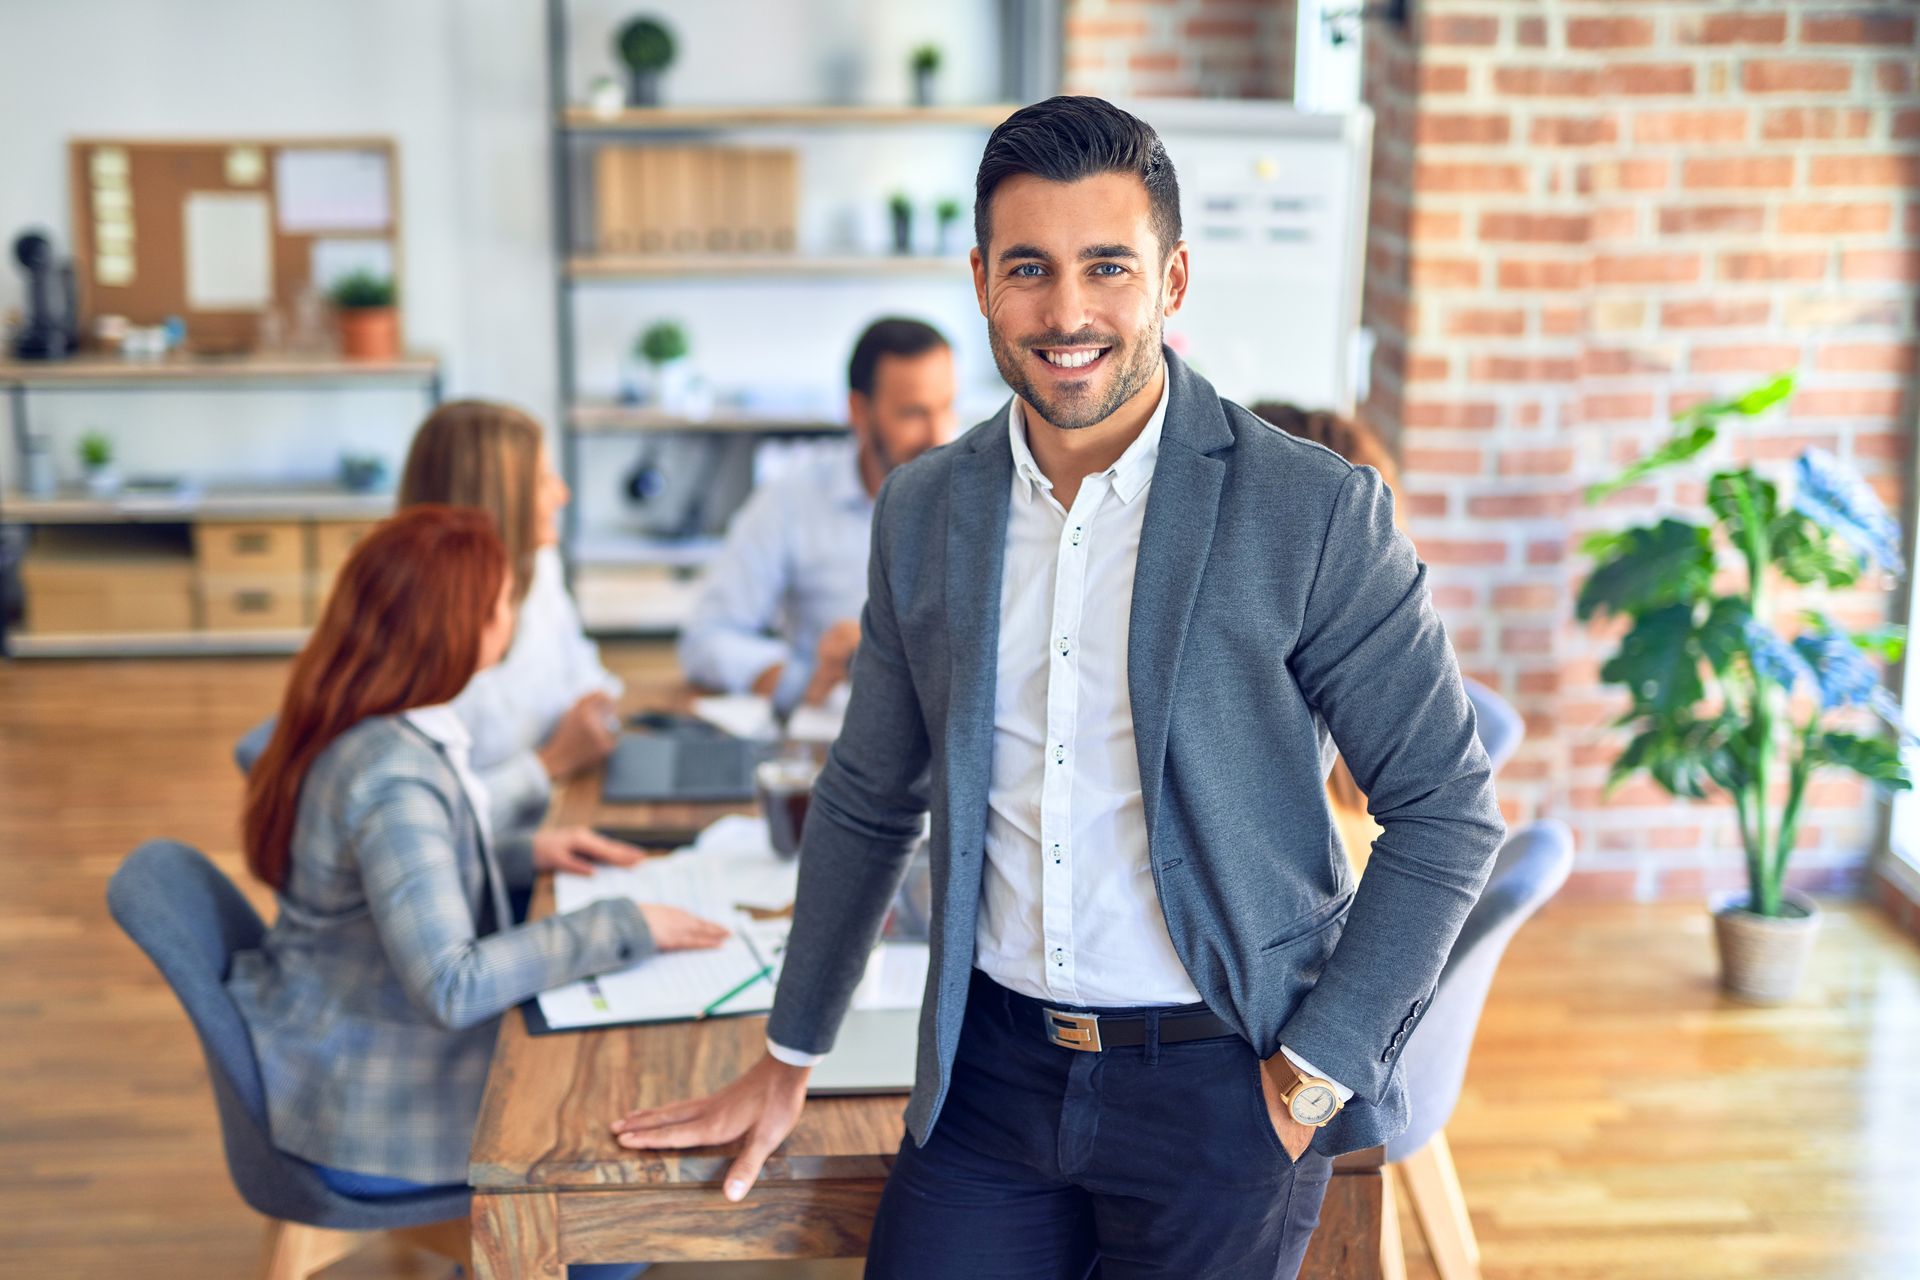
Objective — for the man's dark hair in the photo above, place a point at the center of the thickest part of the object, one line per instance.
(1068, 138)
(889, 336)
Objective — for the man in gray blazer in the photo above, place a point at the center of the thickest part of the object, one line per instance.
(1114, 637)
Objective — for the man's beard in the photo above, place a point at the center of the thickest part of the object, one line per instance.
(1134, 364)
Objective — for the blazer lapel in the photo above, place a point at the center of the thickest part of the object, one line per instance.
(1175, 535)
(978, 491)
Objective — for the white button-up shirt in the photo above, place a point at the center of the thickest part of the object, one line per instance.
(794, 563)
(1069, 912)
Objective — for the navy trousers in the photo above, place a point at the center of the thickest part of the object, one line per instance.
(1152, 1161)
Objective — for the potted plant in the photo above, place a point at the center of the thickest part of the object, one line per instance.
(1722, 704)
(901, 210)
(369, 324)
(96, 462)
(646, 47)
(926, 66)
(605, 97)
(947, 215)
(664, 347)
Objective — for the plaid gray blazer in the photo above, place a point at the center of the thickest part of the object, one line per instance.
(374, 999)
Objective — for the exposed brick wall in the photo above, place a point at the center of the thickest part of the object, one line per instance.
(1586, 218)
(1180, 48)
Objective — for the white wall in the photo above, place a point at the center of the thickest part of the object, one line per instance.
(458, 83)
(461, 85)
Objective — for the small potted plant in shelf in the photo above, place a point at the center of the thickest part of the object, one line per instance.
(96, 463)
(926, 66)
(646, 47)
(664, 346)
(369, 324)
(947, 215)
(605, 97)
(1723, 705)
(901, 210)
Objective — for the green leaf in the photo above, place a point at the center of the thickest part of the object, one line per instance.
(1765, 396)
(1679, 448)
(1808, 554)
(1659, 662)
(1888, 642)
(1723, 636)
(1876, 759)
(1682, 755)
(1649, 568)
(1727, 489)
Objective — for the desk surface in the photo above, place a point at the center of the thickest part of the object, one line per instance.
(550, 1098)
(552, 1187)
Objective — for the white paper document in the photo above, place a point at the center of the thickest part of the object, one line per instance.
(331, 189)
(728, 869)
(229, 252)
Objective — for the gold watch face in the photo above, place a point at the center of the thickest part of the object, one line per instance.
(1315, 1104)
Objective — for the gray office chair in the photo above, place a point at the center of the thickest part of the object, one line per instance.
(1499, 725)
(1530, 869)
(249, 748)
(190, 920)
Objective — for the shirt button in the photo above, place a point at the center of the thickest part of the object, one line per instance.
(1059, 956)
(1063, 646)
(1059, 755)
(1056, 855)
(1076, 535)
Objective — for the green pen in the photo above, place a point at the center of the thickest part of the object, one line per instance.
(762, 972)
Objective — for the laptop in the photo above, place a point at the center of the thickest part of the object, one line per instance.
(691, 764)
(875, 1053)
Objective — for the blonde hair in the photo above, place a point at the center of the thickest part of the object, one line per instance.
(477, 453)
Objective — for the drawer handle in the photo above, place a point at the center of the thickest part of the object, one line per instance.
(251, 544)
(253, 601)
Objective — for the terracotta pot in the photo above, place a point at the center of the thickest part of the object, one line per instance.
(369, 333)
(1763, 959)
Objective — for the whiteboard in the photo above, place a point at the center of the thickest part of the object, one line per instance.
(1273, 204)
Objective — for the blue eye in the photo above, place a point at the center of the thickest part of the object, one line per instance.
(1105, 268)
(1026, 269)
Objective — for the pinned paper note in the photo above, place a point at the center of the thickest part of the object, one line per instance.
(229, 252)
(335, 260)
(331, 189)
(114, 269)
(245, 166)
(108, 166)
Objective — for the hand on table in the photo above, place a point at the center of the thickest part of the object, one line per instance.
(763, 1106)
(584, 737)
(577, 849)
(833, 660)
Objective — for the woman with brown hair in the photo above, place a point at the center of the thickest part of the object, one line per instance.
(374, 999)
(546, 710)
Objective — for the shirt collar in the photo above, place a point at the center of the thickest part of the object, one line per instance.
(444, 725)
(1131, 470)
(849, 489)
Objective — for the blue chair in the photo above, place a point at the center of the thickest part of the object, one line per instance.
(1530, 869)
(1498, 724)
(190, 920)
(248, 749)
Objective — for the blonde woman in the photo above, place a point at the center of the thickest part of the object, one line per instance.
(546, 711)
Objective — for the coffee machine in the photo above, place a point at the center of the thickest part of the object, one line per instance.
(52, 330)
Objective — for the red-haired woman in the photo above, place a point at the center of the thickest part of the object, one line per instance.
(374, 998)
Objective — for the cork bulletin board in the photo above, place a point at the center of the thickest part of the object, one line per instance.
(223, 233)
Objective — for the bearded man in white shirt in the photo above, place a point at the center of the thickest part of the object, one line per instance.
(1114, 638)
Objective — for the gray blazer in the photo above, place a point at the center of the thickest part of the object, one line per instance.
(373, 1001)
(1277, 615)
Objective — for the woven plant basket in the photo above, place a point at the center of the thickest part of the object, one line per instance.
(1763, 959)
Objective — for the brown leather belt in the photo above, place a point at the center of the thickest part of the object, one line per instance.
(1092, 1032)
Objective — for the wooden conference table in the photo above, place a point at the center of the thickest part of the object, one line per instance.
(551, 1186)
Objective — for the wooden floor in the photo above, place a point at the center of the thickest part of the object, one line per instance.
(1620, 1118)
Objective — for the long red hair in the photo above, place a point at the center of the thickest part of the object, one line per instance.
(401, 629)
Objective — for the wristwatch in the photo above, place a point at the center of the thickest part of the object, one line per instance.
(1310, 1100)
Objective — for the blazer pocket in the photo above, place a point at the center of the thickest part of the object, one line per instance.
(1316, 921)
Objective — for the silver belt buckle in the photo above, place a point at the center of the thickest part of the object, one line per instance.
(1078, 1031)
